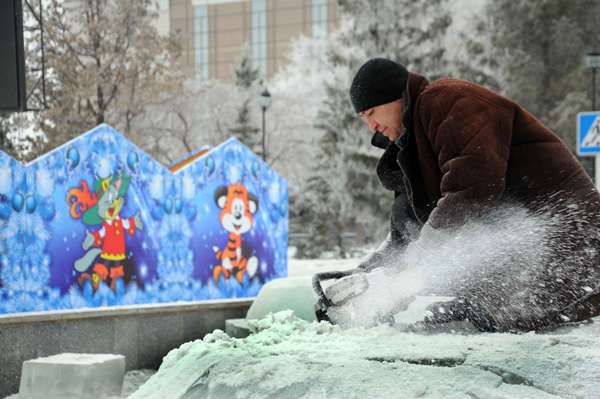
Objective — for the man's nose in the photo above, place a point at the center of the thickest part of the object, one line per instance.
(372, 124)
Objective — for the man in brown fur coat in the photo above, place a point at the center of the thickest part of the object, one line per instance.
(455, 151)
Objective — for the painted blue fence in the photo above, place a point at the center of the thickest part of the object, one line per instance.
(97, 222)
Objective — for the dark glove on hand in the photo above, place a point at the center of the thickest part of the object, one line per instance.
(460, 309)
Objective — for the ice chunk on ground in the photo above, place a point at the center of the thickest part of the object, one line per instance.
(293, 293)
(72, 376)
(288, 357)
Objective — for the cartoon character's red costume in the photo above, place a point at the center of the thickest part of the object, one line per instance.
(112, 237)
(103, 209)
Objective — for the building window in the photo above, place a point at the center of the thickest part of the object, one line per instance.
(259, 36)
(201, 53)
(319, 17)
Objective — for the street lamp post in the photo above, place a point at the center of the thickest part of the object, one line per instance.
(264, 101)
(592, 61)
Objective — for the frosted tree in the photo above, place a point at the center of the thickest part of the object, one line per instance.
(470, 50)
(409, 32)
(6, 144)
(343, 192)
(244, 130)
(171, 129)
(245, 75)
(247, 84)
(298, 90)
(105, 62)
(537, 51)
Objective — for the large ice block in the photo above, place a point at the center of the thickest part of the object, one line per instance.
(294, 293)
(72, 376)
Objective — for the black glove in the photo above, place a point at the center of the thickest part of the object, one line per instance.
(460, 309)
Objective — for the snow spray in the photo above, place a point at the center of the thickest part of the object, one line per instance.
(513, 260)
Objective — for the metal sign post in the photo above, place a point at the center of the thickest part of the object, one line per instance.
(588, 138)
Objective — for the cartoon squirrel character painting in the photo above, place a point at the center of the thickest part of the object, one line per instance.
(106, 204)
(238, 207)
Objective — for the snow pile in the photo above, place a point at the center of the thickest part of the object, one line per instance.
(291, 358)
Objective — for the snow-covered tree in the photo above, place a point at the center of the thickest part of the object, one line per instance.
(343, 192)
(469, 48)
(409, 32)
(243, 129)
(246, 81)
(245, 75)
(538, 49)
(6, 144)
(105, 62)
(298, 90)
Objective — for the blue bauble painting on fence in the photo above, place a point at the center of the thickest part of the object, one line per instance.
(98, 222)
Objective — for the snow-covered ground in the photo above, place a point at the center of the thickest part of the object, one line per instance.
(291, 358)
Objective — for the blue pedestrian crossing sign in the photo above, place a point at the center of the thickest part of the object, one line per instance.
(588, 133)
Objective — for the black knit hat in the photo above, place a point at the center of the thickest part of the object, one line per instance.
(378, 81)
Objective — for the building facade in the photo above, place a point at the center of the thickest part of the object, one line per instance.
(213, 32)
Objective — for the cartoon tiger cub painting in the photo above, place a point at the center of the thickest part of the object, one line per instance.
(238, 206)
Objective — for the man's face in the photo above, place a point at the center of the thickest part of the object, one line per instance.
(387, 118)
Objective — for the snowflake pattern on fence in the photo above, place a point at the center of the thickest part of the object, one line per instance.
(172, 255)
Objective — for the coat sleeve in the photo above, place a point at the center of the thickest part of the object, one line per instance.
(130, 227)
(472, 150)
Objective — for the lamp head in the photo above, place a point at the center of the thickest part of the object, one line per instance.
(265, 99)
